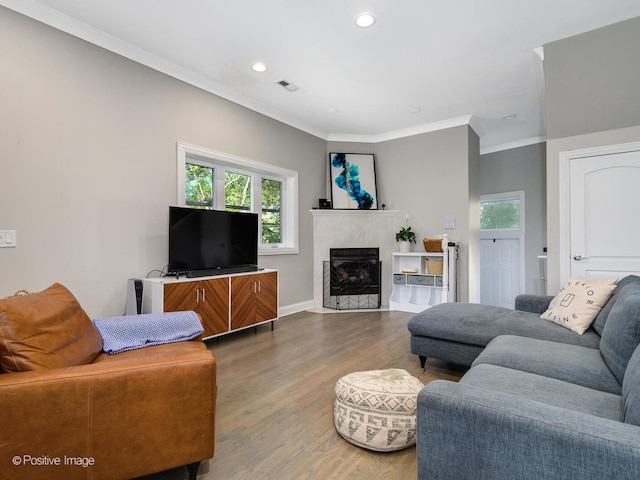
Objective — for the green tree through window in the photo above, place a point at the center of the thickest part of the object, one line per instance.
(271, 211)
(500, 214)
(237, 192)
(199, 186)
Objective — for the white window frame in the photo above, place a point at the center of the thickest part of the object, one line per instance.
(257, 170)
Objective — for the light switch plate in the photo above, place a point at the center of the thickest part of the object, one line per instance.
(449, 223)
(7, 238)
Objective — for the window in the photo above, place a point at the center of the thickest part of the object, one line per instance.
(215, 180)
(237, 192)
(501, 211)
(198, 186)
(271, 211)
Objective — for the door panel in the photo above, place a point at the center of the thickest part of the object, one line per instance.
(267, 297)
(500, 271)
(243, 301)
(604, 230)
(214, 306)
(180, 297)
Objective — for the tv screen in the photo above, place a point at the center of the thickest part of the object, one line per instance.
(210, 242)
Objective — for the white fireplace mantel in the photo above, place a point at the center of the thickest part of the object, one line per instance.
(331, 213)
(353, 228)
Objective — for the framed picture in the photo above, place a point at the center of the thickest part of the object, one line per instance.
(353, 181)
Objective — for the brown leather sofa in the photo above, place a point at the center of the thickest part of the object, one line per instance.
(68, 410)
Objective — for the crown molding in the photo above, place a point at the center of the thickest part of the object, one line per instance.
(517, 144)
(408, 132)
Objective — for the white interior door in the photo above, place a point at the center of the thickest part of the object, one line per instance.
(501, 248)
(500, 271)
(604, 197)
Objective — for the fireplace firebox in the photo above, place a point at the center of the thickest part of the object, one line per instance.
(352, 278)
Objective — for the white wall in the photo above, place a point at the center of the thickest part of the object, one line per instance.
(88, 165)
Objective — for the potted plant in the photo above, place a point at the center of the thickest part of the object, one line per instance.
(405, 236)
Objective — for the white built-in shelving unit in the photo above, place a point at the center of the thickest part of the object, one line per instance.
(414, 288)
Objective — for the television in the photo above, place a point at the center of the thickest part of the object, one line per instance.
(212, 242)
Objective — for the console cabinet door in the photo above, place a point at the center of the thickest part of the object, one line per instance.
(214, 306)
(254, 299)
(243, 300)
(209, 298)
(267, 297)
(181, 296)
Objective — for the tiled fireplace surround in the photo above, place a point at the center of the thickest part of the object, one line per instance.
(353, 228)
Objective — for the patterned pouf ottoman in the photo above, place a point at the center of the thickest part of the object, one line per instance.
(377, 409)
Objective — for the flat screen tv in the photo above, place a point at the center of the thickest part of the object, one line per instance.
(212, 242)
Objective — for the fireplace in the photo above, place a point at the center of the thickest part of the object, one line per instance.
(352, 278)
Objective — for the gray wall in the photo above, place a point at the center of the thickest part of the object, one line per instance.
(592, 99)
(591, 81)
(427, 177)
(88, 165)
(523, 169)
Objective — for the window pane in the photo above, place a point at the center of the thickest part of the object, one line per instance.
(500, 214)
(199, 186)
(237, 192)
(271, 211)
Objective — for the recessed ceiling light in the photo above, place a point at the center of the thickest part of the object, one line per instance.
(509, 117)
(365, 20)
(259, 67)
(415, 109)
(334, 111)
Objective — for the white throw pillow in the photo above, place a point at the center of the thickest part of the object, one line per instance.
(578, 302)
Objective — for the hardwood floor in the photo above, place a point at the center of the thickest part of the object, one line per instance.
(274, 417)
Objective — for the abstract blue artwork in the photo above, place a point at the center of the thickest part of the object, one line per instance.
(353, 181)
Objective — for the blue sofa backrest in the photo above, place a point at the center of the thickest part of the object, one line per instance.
(621, 332)
(631, 391)
(601, 319)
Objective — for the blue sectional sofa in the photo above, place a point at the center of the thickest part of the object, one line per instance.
(534, 405)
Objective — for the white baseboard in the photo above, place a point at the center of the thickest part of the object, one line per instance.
(310, 305)
(295, 308)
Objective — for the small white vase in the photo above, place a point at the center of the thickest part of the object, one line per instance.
(405, 246)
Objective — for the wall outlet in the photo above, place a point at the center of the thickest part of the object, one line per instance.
(7, 238)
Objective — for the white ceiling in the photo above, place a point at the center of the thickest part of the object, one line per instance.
(459, 61)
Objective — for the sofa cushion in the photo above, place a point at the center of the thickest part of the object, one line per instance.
(549, 391)
(621, 333)
(578, 302)
(569, 363)
(48, 329)
(631, 390)
(474, 324)
(600, 320)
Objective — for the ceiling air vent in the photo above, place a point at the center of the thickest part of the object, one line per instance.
(289, 86)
